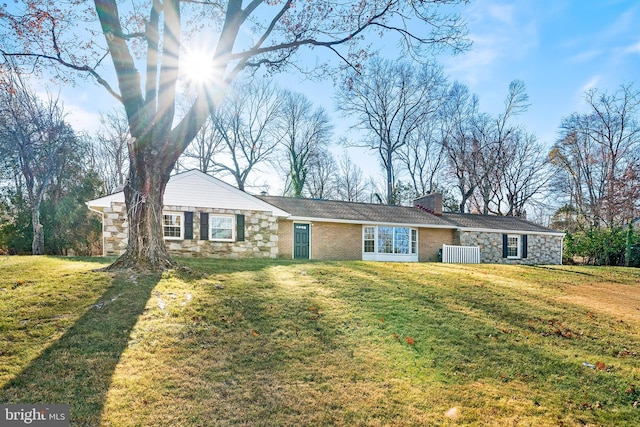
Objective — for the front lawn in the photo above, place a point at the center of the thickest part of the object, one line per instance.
(263, 343)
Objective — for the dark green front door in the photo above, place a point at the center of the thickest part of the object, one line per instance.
(300, 241)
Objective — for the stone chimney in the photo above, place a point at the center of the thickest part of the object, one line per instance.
(431, 203)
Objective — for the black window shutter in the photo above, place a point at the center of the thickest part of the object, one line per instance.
(188, 225)
(239, 228)
(204, 226)
(505, 246)
(524, 246)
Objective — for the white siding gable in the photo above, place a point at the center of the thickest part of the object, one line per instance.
(199, 190)
(194, 188)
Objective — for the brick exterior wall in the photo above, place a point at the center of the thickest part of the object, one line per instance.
(430, 241)
(261, 236)
(333, 241)
(329, 241)
(285, 239)
(541, 249)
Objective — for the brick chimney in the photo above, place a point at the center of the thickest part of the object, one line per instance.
(431, 203)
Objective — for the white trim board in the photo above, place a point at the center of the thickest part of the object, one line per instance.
(505, 231)
(359, 222)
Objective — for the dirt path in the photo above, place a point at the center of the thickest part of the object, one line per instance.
(614, 299)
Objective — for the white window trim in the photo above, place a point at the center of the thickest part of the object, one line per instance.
(411, 230)
(518, 245)
(233, 227)
(179, 214)
(377, 256)
(375, 239)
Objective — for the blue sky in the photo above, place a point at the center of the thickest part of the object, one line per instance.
(559, 48)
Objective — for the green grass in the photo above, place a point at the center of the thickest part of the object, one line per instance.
(261, 343)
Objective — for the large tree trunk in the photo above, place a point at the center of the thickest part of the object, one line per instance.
(146, 250)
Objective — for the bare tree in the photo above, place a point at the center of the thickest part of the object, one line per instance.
(598, 157)
(350, 181)
(488, 158)
(38, 138)
(207, 144)
(616, 130)
(424, 156)
(526, 173)
(321, 179)
(111, 156)
(145, 41)
(483, 149)
(304, 134)
(390, 101)
(458, 114)
(246, 127)
(493, 138)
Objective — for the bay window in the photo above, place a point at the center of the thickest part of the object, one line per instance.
(386, 242)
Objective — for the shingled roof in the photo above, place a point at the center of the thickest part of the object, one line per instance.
(331, 210)
(494, 222)
(355, 212)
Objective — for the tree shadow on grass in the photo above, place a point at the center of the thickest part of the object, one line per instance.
(101, 260)
(77, 368)
(210, 266)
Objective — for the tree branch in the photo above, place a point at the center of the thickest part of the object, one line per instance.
(169, 66)
(208, 3)
(257, 50)
(83, 68)
(152, 32)
(127, 74)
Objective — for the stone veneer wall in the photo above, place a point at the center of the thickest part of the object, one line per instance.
(115, 234)
(261, 235)
(541, 249)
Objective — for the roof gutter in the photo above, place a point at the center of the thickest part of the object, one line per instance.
(496, 230)
(360, 222)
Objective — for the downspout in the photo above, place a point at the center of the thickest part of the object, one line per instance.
(102, 226)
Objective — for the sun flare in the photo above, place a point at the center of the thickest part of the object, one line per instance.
(197, 66)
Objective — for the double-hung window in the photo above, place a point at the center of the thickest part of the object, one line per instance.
(414, 241)
(513, 246)
(221, 228)
(173, 225)
(369, 239)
